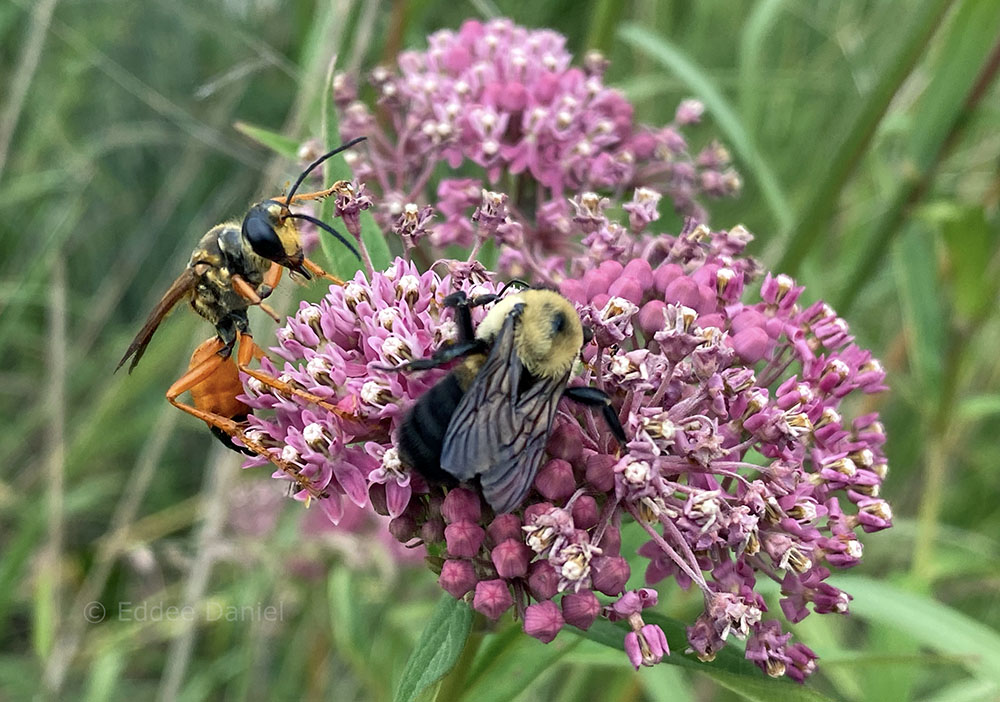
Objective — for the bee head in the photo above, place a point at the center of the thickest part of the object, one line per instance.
(550, 334)
(271, 234)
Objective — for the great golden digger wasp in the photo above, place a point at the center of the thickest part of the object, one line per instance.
(234, 266)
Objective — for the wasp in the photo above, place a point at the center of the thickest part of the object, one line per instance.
(234, 266)
(490, 418)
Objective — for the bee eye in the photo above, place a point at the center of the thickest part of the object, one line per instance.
(263, 239)
(558, 322)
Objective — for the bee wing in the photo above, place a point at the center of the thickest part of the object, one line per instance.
(497, 432)
(178, 290)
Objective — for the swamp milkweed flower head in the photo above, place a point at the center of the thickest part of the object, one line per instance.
(498, 99)
(741, 463)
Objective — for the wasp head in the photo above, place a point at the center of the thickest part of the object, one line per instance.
(271, 233)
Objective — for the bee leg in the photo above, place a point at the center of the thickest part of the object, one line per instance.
(440, 357)
(313, 268)
(244, 289)
(228, 426)
(463, 317)
(593, 397)
(249, 350)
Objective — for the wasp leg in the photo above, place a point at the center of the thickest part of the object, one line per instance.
(249, 350)
(200, 373)
(244, 289)
(271, 280)
(318, 195)
(593, 397)
(313, 268)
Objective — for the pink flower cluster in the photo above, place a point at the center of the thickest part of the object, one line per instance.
(508, 100)
(739, 463)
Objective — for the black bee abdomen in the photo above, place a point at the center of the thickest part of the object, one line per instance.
(421, 436)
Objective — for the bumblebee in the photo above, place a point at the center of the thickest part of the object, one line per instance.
(234, 266)
(489, 419)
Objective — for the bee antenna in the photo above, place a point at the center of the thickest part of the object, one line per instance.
(311, 166)
(511, 283)
(327, 228)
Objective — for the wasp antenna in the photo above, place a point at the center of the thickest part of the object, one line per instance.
(327, 228)
(311, 166)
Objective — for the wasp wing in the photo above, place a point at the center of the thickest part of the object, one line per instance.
(179, 289)
(499, 430)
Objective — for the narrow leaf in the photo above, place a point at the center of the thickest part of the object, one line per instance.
(437, 650)
(278, 143)
(932, 624)
(520, 666)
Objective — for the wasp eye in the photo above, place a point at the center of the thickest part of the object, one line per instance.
(263, 239)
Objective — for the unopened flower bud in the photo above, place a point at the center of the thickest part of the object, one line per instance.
(580, 609)
(543, 580)
(461, 505)
(503, 527)
(600, 471)
(555, 480)
(492, 598)
(585, 512)
(543, 620)
(609, 574)
(432, 530)
(511, 558)
(457, 577)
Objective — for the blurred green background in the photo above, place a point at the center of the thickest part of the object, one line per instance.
(867, 136)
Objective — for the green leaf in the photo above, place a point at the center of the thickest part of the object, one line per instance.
(930, 623)
(811, 224)
(437, 650)
(729, 669)
(509, 675)
(736, 136)
(278, 143)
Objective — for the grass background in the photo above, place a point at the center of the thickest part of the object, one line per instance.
(867, 135)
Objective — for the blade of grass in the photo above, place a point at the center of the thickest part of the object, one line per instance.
(755, 33)
(17, 90)
(966, 67)
(47, 626)
(604, 21)
(810, 223)
(736, 135)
